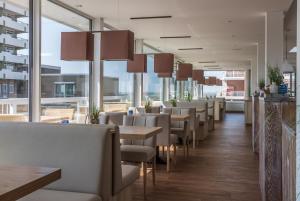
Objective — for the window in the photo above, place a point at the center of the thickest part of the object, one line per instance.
(14, 60)
(152, 84)
(232, 88)
(64, 89)
(118, 86)
(64, 84)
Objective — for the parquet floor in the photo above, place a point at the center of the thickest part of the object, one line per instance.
(222, 168)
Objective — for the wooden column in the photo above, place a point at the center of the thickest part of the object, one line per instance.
(270, 148)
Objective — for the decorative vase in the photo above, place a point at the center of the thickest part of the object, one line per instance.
(273, 88)
(283, 89)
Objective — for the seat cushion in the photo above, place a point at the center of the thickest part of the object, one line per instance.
(137, 153)
(51, 195)
(130, 174)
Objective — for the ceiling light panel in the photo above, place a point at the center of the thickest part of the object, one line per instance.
(151, 17)
(195, 48)
(174, 37)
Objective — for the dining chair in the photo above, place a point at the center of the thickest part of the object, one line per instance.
(153, 109)
(140, 151)
(180, 128)
(165, 138)
(211, 115)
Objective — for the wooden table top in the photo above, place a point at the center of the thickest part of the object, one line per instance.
(138, 132)
(17, 182)
(200, 111)
(175, 117)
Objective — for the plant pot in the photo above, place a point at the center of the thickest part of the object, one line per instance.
(94, 121)
(273, 88)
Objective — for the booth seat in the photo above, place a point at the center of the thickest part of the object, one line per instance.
(88, 155)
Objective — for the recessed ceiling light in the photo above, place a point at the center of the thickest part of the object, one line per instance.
(150, 17)
(194, 48)
(207, 62)
(174, 37)
(212, 66)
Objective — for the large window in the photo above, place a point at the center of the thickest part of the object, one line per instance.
(118, 86)
(152, 84)
(14, 60)
(232, 85)
(64, 84)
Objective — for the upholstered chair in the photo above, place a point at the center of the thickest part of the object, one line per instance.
(140, 151)
(154, 109)
(165, 138)
(211, 115)
(179, 128)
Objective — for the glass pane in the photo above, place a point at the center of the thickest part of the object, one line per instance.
(118, 86)
(233, 85)
(14, 35)
(152, 84)
(64, 84)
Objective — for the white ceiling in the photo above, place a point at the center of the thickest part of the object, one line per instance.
(231, 44)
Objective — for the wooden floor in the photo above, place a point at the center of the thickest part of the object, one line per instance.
(223, 168)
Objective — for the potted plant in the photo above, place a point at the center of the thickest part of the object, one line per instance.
(261, 85)
(188, 97)
(173, 102)
(148, 106)
(276, 79)
(94, 115)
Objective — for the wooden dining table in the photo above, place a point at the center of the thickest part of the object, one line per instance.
(18, 181)
(138, 132)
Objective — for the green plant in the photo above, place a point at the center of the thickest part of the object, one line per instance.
(148, 105)
(188, 97)
(94, 115)
(173, 102)
(275, 75)
(261, 84)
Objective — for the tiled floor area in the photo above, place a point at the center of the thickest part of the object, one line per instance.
(222, 168)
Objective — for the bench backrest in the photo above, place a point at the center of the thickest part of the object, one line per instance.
(83, 152)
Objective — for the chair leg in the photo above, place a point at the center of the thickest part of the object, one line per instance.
(194, 139)
(163, 151)
(168, 158)
(175, 149)
(153, 170)
(184, 148)
(187, 147)
(145, 179)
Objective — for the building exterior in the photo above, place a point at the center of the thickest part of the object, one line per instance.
(13, 65)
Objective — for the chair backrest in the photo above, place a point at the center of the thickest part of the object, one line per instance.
(183, 111)
(85, 153)
(141, 120)
(211, 107)
(163, 121)
(154, 109)
(115, 117)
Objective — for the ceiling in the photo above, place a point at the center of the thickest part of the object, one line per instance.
(227, 30)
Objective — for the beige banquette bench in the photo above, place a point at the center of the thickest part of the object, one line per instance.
(89, 156)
